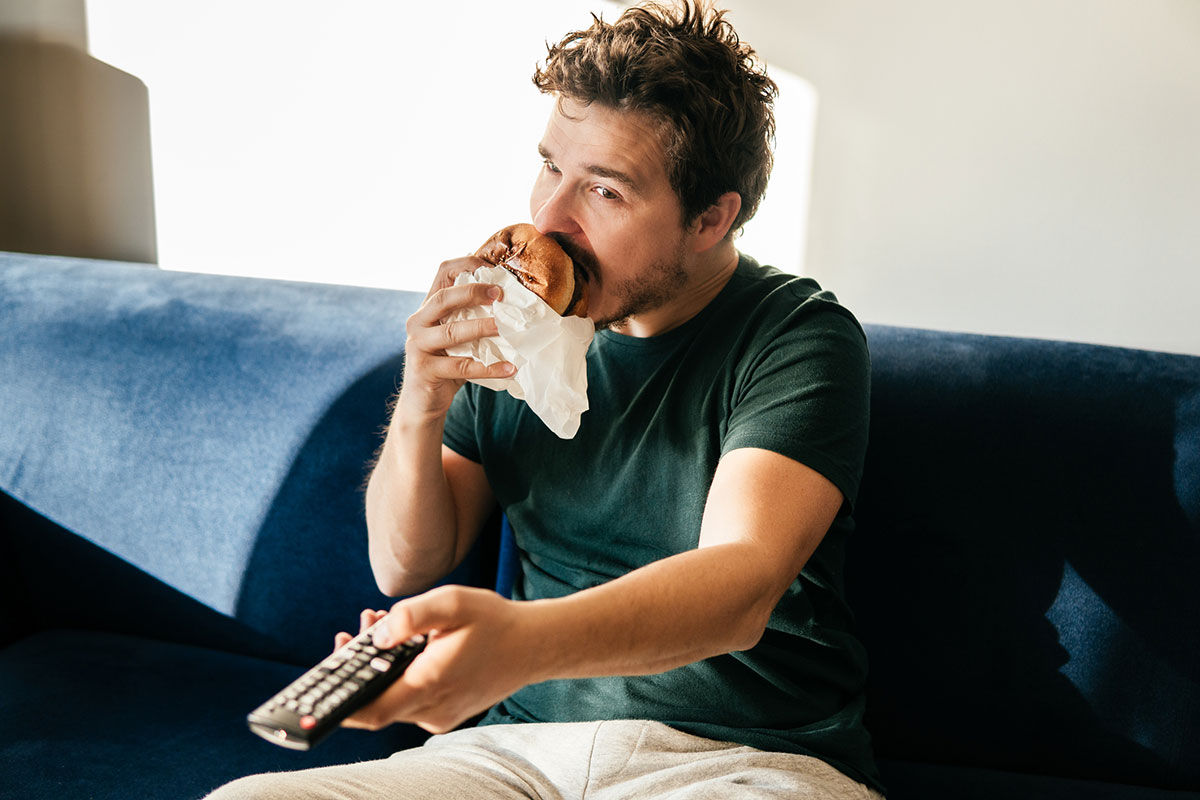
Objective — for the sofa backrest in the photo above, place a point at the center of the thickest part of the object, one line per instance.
(1025, 569)
(1028, 527)
(213, 432)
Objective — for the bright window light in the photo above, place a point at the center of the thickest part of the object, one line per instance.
(366, 142)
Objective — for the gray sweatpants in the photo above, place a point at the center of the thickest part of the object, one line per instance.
(594, 760)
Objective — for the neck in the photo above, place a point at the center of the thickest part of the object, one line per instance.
(706, 278)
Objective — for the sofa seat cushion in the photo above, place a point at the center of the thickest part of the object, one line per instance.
(907, 780)
(102, 716)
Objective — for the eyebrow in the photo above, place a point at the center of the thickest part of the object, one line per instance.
(599, 170)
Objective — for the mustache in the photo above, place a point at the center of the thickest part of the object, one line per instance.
(582, 257)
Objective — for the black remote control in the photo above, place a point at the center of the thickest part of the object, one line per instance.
(312, 706)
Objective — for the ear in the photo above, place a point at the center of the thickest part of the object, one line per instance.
(712, 226)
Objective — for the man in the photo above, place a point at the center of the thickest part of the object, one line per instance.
(677, 628)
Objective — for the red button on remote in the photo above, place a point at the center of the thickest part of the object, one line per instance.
(308, 722)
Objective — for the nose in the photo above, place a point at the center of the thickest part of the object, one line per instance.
(552, 209)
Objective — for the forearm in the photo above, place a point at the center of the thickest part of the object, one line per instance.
(672, 612)
(411, 521)
(421, 518)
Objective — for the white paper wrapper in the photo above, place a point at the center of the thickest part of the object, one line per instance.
(549, 351)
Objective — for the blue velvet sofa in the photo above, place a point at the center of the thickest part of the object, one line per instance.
(181, 462)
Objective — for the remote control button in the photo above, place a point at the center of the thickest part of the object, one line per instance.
(308, 722)
(380, 664)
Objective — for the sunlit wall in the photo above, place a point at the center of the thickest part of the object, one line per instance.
(366, 142)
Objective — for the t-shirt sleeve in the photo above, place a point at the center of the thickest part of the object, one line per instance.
(805, 393)
(460, 431)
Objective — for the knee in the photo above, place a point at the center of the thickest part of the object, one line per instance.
(252, 787)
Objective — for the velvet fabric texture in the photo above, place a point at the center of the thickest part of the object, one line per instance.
(1025, 565)
(181, 532)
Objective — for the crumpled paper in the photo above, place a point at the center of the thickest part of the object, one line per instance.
(548, 350)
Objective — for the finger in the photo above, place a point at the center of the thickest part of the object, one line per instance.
(341, 639)
(399, 702)
(368, 617)
(449, 334)
(438, 609)
(460, 368)
(443, 303)
(449, 270)
(403, 701)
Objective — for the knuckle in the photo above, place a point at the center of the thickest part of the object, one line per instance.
(445, 593)
(452, 332)
(464, 368)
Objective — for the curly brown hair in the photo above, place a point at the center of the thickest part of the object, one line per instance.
(685, 68)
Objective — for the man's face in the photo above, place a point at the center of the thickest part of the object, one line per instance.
(603, 193)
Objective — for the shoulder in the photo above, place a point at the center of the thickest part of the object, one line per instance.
(772, 306)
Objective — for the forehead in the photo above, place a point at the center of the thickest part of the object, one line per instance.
(599, 138)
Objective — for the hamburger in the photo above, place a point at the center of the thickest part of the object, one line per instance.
(541, 265)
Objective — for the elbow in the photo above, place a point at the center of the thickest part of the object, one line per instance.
(749, 635)
(390, 583)
(391, 575)
(752, 624)
(396, 581)
(389, 579)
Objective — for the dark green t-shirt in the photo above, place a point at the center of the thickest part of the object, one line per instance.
(773, 362)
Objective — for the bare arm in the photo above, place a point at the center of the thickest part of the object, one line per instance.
(425, 503)
(764, 517)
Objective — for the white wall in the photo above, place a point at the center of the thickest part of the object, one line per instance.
(365, 142)
(1026, 167)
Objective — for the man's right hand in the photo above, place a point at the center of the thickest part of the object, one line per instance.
(425, 503)
(431, 377)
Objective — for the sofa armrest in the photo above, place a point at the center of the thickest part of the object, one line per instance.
(55, 578)
(212, 433)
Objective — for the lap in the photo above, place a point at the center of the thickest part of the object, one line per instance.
(605, 760)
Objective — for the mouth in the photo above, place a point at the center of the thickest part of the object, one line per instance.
(584, 260)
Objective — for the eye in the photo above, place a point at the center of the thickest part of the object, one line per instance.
(606, 193)
(550, 166)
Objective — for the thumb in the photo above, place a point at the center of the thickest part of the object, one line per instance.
(438, 609)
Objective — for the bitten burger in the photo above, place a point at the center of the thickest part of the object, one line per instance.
(541, 265)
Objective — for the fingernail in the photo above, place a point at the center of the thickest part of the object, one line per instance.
(494, 292)
(508, 370)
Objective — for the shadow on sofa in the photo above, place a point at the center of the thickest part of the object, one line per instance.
(153, 678)
(305, 530)
(1025, 564)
